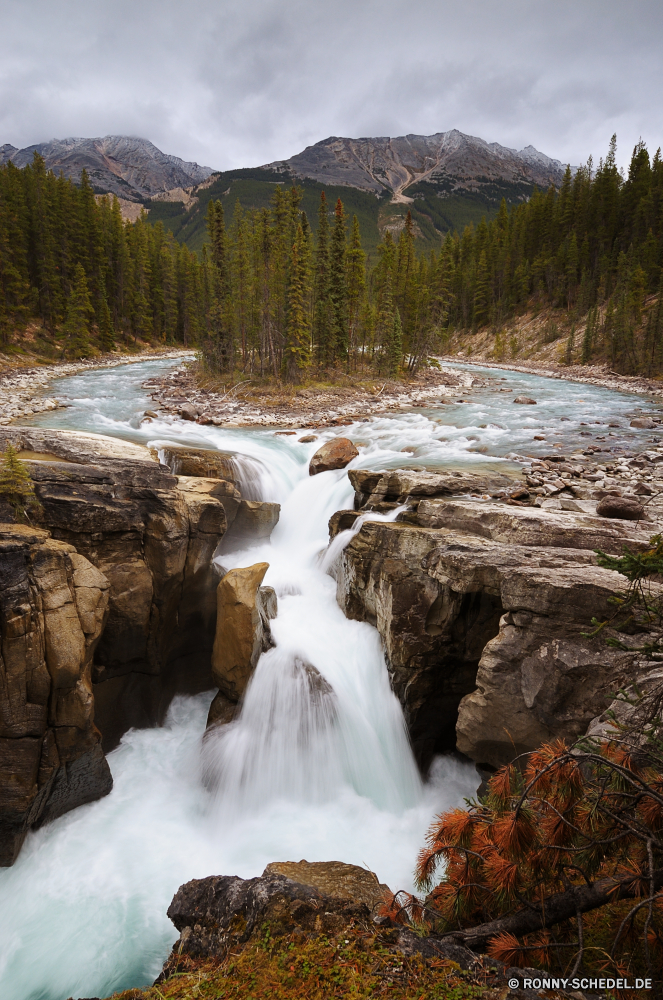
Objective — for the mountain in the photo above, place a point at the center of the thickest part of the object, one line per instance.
(450, 161)
(446, 180)
(129, 167)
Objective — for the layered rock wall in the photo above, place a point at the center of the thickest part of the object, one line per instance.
(483, 610)
(53, 607)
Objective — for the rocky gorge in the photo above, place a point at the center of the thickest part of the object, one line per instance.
(149, 575)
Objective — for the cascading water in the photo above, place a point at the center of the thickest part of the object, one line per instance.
(317, 765)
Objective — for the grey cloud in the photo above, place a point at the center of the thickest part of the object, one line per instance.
(241, 83)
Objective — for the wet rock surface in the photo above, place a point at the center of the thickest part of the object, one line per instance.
(334, 454)
(244, 610)
(53, 607)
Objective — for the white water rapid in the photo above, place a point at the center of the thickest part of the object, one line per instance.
(318, 765)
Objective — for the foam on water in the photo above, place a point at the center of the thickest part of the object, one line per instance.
(317, 765)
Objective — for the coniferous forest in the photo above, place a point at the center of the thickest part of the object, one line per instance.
(274, 293)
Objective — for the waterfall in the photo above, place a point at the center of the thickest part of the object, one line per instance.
(317, 765)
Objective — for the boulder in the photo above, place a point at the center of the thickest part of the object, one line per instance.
(220, 914)
(334, 879)
(525, 400)
(253, 523)
(624, 508)
(203, 462)
(53, 607)
(244, 610)
(334, 454)
(221, 711)
(189, 412)
(646, 422)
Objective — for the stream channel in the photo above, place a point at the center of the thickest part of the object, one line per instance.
(83, 910)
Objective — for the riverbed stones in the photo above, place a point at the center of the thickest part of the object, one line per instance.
(525, 401)
(244, 610)
(334, 454)
(53, 607)
(624, 508)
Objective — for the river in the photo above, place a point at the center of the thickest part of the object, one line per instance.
(83, 910)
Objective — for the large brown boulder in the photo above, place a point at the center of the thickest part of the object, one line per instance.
(244, 609)
(53, 606)
(334, 454)
(335, 879)
(623, 508)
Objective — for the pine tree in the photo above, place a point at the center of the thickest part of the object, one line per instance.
(297, 350)
(322, 319)
(356, 283)
(481, 292)
(395, 349)
(76, 327)
(16, 486)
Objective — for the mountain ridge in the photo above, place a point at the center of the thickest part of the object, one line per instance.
(451, 160)
(127, 166)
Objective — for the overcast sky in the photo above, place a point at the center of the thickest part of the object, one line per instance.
(233, 83)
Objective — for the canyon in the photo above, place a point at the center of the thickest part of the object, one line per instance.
(180, 557)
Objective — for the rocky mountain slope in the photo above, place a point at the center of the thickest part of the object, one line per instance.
(127, 166)
(450, 160)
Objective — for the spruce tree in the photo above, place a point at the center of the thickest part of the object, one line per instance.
(16, 486)
(321, 304)
(338, 289)
(297, 350)
(76, 327)
(356, 282)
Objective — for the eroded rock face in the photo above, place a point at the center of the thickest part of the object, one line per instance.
(153, 537)
(244, 610)
(397, 486)
(53, 607)
(481, 608)
(334, 454)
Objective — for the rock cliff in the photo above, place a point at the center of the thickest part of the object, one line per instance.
(152, 535)
(53, 607)
(482, 609)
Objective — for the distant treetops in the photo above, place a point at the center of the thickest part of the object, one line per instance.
(268, 296)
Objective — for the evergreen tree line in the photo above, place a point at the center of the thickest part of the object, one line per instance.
(268, 296)
(594, 248)
(68, 260)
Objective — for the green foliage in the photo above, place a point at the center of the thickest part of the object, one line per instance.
(16, 486)
(639, 608)
(594, 248)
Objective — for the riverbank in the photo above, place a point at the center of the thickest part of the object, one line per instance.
(189, 392)
(23, 389)
(598, 375)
